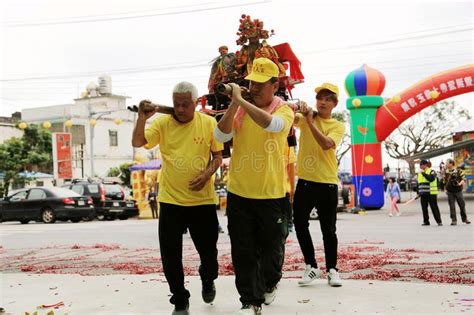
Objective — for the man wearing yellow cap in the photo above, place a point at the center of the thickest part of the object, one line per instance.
(317, 181)
(257, 184)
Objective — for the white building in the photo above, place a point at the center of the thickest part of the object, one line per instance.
(109, 145)
(8, 129)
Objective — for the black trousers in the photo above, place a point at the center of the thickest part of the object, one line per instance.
(452, 198)
(154, 209)
(323, 197)
(258, 229)
(432, 200)
(202, 224)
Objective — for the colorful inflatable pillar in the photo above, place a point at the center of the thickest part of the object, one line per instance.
(364, 86)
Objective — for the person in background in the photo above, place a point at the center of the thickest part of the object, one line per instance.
(393, 192)
(428, 192)
(454, 182)
(152, 202)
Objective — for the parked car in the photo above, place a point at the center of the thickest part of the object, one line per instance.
(110, 200)
(345, 178)
(46, 205)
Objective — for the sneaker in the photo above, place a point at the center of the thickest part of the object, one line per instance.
(249, 309)
(390, 214)
(208, 291)
(440, 224)
(425, 224)
(454, 222)
(181, 309)
(333, 278)
(270, 295)
(309, 275)
(399, 214)
(467, 221)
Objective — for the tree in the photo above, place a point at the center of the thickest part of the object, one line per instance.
(38, 143)
(31, 152)
(345, 144)
(122, 172)
(427, 130)
(12, 157)
(125, 173)
(113, 172)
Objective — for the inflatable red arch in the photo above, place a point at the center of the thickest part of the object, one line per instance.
(373, 119)
(421, 95)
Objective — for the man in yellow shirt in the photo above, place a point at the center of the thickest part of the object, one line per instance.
(190, 157)
(257, 184)
(317, 181)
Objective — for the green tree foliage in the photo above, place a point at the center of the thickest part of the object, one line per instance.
(31, 152)
(113, 172)
(125, 173)
(122, 172)
(37, 141)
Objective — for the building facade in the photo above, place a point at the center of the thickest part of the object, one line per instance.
(95, 147)
(8, 129)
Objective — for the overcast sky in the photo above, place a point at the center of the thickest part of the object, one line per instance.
(148, 46)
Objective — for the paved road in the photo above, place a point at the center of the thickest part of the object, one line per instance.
(70, 262)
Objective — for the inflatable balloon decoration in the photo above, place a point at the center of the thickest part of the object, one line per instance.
(372, 121)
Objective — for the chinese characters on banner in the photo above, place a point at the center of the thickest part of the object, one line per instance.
(421, 95)
(443, 88)
(62, 157)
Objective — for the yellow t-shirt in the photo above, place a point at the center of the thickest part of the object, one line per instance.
(257, 167)
(314, 163)
(186, 152)
(291, 158)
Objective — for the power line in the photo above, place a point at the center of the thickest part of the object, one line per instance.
(381, 62)
(133, 17)
(434, 29)
(392, 79)
(73, 76)
(389, 41)
(115, 71)
(185, 65)
(452, 63)
(343, 52)
(107, 14)
(75, 85)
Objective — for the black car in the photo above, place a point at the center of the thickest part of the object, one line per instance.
(109, 199)
(45, 204)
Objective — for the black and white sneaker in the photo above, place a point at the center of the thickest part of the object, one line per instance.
(249, 309)
(333, 278)
(270, 295)
(309, 275)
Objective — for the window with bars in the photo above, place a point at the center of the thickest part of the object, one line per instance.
(113, 138)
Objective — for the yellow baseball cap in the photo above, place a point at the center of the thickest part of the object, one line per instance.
(263, 69)
(328, 86)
